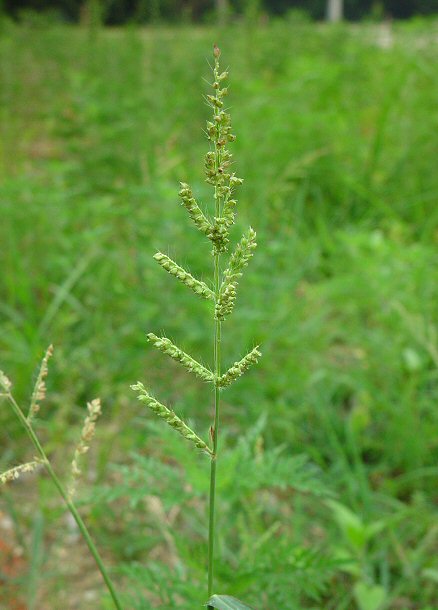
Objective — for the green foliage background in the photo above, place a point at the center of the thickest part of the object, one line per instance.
(144, 11)
(328, 490)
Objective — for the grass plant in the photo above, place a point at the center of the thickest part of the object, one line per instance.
(215, 226)
(66, 493)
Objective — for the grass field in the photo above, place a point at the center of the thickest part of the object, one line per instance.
(328, 491)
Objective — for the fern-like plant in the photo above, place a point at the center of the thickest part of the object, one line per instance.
(223, 295)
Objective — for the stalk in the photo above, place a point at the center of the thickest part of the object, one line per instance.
(217, 372)
(69, 503)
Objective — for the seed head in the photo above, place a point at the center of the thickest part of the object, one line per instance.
(195, 212)
(39, 390)
(5, 383)
(14, 473)
(183, 276)
(239, 368)
(94, 411)
(166, 346)
(238, 261)
(170, 417)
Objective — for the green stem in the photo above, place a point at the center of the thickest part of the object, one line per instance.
(217, 369)
(70, 505)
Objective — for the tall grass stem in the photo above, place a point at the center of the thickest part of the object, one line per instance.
(217, 371)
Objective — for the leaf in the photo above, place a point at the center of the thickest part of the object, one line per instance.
(369, 597)
(430, 574)
(353, 528)
(226, 602)
(412, 360)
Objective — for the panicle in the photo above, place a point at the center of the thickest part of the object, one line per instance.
(14, 473)
(218, 173)
(198, 287)
(39, 390)
(166, 346)
(239, 368)
(170, 417)
(218, 162)
(94, 411)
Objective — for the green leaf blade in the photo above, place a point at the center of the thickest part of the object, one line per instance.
(226, 602)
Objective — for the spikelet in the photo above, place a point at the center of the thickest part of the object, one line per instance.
(14, 473)
(170, 417)
(171, 267)
(239, 368)
(94, 410)
(39, 390)
(238, 260)
(167, 347)
(5, 383)
(195, 212)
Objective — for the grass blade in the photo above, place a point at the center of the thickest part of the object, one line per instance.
(226, 602)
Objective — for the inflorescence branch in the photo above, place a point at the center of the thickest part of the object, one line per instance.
(170, 417)
(166, 346)
(184, 276)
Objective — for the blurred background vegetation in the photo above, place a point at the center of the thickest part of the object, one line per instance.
(119, 12)
(328, 488)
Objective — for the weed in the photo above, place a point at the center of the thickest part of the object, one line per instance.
(94, 410)
(223, 295)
